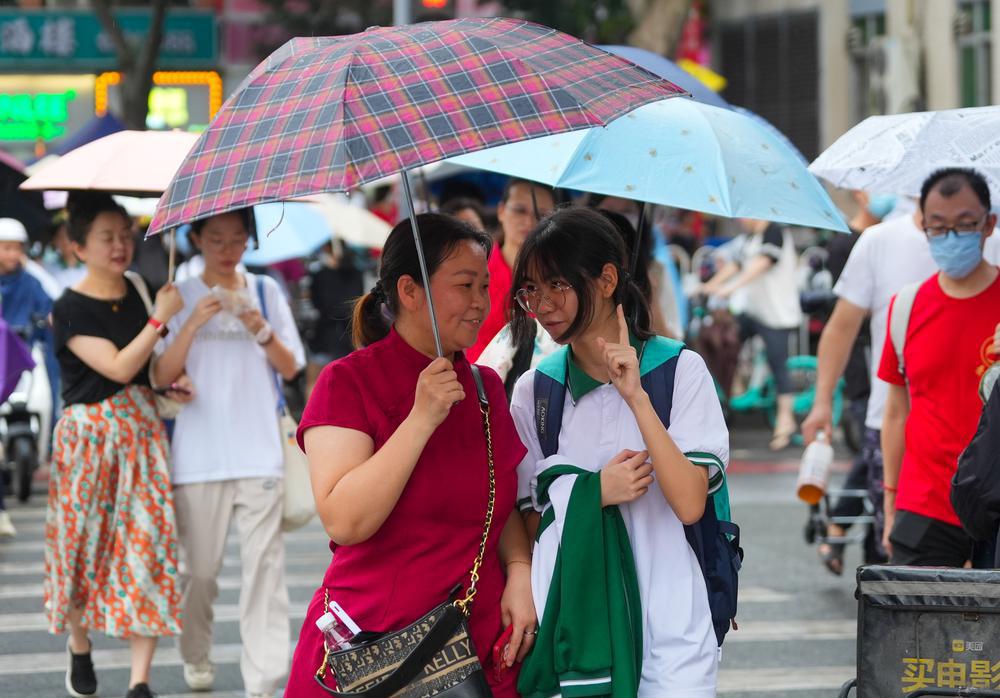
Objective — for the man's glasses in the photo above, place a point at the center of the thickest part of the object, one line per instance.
(965, 228)
(531, 297)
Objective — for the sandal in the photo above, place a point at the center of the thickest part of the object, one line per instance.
(781, 440)
(832, 556)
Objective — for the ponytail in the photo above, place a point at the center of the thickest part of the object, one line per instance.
(368, 324)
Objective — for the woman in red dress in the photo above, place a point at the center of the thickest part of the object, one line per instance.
(398, 461)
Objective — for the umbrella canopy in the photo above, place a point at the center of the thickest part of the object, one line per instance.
(895, 154)
(27, 207)
(676, 152)
(352, 224)
(327, 114)
(287, 231)
(668, 70)
(126, 162)
(15, 359)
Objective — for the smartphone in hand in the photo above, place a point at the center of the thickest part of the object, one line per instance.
(173, 388)
(499, 650)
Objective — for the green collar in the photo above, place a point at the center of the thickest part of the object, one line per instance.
(579, 382)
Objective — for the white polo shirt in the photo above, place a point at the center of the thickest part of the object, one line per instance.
(230, 430)
(680, 652)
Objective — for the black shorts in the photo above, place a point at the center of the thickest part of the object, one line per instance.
(925, 542)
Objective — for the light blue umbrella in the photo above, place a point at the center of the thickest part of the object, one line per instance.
(668, 70)
(675, 152)
(287, 230)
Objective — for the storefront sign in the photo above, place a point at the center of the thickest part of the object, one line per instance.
(44, 108)
(43, 39)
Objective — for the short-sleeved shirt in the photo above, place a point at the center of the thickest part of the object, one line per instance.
(679, 645)
(948, 347)
(229, 430)
(773, 297)
(76, 314)
(426, 545)
(887, 257)
(501, 279)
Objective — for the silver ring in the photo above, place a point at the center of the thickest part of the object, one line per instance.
(530, 632)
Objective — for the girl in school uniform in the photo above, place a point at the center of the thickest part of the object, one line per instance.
(608, 508)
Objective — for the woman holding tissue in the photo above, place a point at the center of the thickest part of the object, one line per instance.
(234, 335)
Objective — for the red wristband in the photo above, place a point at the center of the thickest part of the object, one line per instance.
(160, 328)
(889, 488)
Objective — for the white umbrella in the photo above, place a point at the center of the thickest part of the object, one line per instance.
(127, 162)
(351, 223)
(895, 154)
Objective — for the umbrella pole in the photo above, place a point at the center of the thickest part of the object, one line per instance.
(172, 256)
(634, 262)
(408, 195)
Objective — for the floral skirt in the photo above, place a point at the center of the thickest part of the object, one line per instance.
(110, 534)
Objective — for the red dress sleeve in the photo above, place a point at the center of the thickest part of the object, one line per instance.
(337, 401)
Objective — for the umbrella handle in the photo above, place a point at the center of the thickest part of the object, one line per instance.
(408, 195)
(172, 257)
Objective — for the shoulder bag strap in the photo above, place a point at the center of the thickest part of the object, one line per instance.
(258, 283)
(140, 286)
(484, 408)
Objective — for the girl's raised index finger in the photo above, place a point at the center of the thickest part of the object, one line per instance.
(622, 326)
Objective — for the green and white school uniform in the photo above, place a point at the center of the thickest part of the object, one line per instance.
(679, 652)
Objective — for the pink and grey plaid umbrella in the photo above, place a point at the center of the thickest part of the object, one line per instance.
(328, 114)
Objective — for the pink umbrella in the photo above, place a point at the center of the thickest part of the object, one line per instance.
(140, 163)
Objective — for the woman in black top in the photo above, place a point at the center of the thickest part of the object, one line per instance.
(111, 543)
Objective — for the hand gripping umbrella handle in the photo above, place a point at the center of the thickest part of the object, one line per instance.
(408, 195)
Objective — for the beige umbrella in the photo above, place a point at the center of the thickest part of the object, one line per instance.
(134, 163)
(350, 223)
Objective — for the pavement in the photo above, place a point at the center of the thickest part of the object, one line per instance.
(796, 636)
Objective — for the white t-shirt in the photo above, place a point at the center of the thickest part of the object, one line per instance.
(680, 653)
(230, 430)
(773, 297)
(885, 258)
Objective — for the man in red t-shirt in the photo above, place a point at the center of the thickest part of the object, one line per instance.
(933, 404)
(517, 216)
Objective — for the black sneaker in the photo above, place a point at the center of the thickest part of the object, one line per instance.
(80, 677)
(140, 690)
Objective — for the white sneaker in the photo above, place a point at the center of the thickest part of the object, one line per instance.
(200, 676)
(7, 529)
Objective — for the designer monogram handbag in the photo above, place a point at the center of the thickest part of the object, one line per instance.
(431, 656)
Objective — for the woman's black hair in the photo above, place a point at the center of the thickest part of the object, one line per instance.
(452, 206)
(645, 241)
(440, 235)
(573, 245)
(83, 207)
(246, 218)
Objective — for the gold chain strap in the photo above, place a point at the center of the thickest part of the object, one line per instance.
(463, 604)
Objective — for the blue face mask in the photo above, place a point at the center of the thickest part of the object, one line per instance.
(881, 205)
(957, 254)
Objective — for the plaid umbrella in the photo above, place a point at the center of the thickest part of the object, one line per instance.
(327, 114)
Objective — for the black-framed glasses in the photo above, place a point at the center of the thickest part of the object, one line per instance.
(531, 297)
(964, 228)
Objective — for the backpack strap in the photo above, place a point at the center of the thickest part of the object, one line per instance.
(900, 320)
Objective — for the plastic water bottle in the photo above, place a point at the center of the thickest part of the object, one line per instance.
(814, 470)
(337, 627)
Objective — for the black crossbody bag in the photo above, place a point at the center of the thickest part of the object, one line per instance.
(432, 656)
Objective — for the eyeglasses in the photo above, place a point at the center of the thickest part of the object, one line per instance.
(222, 245)
(530, 297)
(965, 228)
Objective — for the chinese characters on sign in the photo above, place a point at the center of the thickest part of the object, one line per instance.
(921, 673)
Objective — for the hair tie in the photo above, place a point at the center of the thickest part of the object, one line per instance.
(378, 291)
